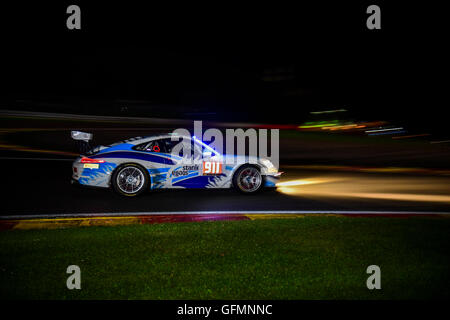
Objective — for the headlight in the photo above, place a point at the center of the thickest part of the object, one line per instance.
(269, 166)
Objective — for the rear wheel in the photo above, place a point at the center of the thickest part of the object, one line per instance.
(248, 179)
(130, 180)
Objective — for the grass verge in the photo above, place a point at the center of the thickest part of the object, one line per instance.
(302, 258)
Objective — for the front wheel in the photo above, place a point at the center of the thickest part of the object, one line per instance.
(248, 179)
(130, 180)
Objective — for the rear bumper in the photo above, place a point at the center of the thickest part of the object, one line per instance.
(98, 176)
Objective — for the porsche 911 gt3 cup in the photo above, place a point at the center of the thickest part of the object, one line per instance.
(133, 166)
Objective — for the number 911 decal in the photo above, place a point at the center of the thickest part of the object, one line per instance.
(212, 167)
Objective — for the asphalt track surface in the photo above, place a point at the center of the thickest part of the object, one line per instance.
(42, 187)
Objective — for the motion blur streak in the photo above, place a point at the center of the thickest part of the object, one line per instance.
(303, 182)
(403, 196)
(385, 187)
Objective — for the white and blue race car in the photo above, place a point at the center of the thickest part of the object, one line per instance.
(133, 166)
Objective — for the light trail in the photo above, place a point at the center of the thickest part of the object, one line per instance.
(399, 188)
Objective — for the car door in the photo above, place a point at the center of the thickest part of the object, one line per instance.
(186, 168)
(202, 167)
(158, 162)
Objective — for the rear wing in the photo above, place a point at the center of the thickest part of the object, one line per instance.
(82, 139)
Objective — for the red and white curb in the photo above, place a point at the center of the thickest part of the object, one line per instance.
(53, 221)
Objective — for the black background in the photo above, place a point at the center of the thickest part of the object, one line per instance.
(209, 60)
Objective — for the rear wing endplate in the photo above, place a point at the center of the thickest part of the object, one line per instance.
(82, 139)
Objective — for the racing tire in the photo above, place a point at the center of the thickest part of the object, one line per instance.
(130, 180)
(248, 179)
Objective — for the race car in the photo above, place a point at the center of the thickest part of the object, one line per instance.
(138, 164)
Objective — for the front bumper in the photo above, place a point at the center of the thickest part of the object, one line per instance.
(270, 180)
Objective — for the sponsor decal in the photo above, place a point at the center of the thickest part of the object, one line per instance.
(91, 165)
(191, 168)
(185, 170)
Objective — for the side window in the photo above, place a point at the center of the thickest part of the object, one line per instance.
(155, 146)
(151, 146)
(166, 145)
(169, 144)
(140, 147)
